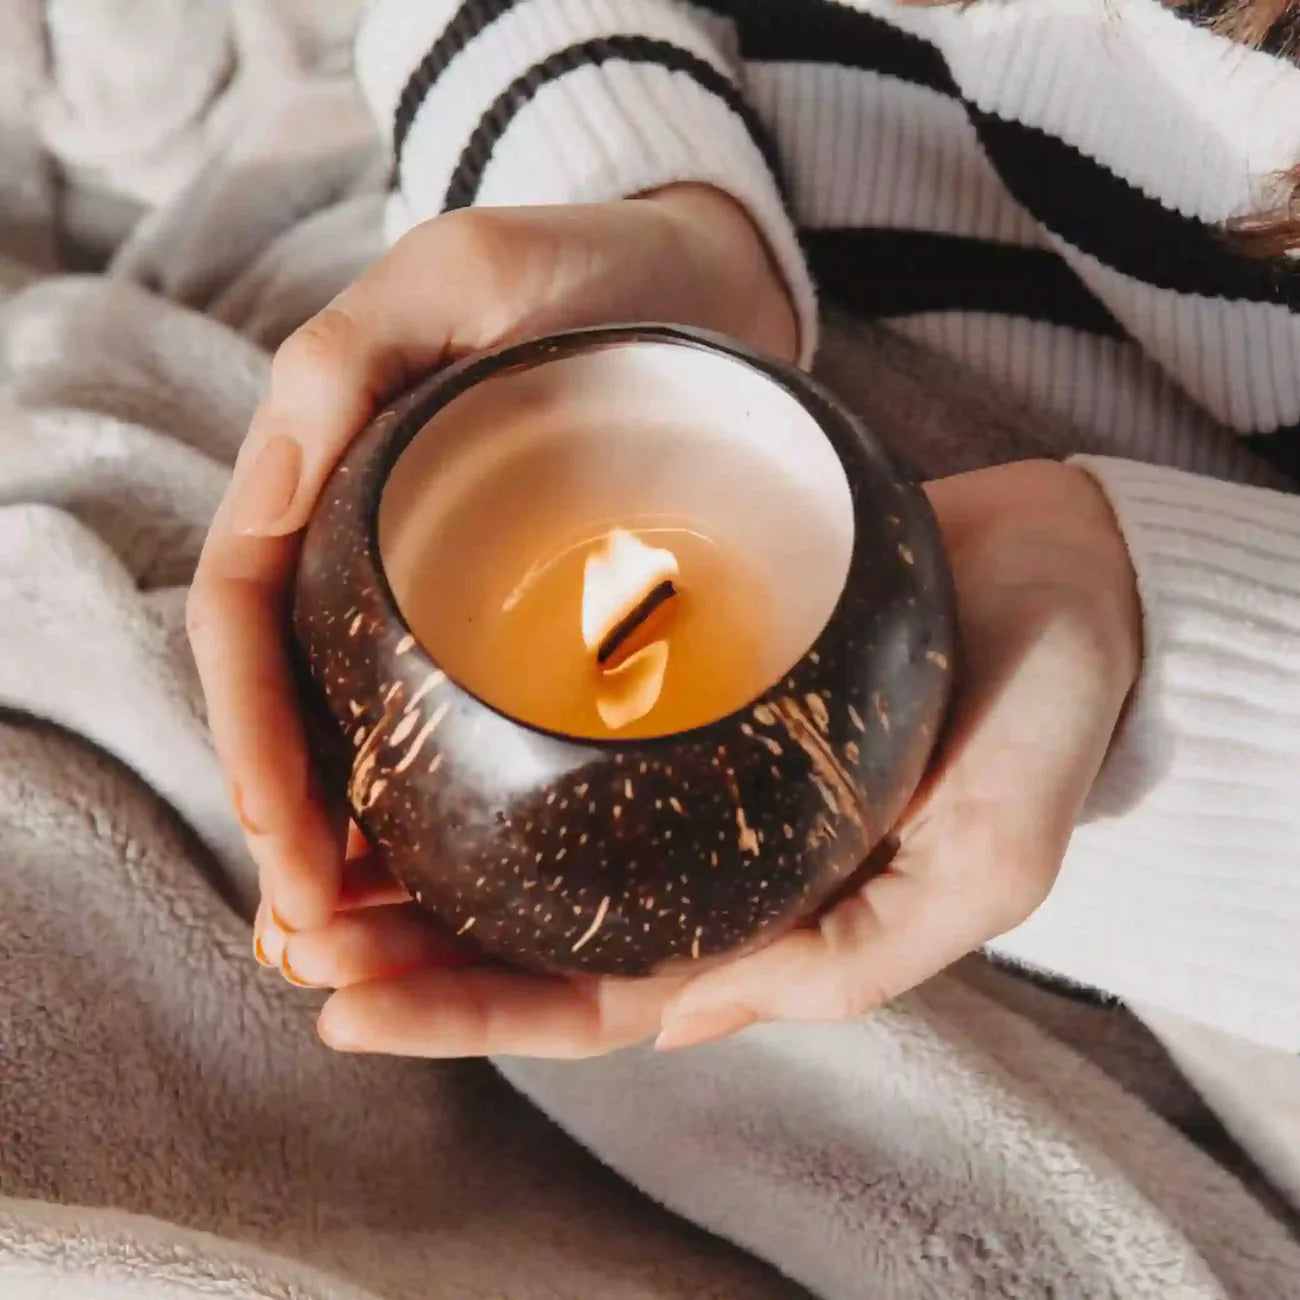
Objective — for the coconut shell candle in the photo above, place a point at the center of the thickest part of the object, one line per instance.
(627, 645)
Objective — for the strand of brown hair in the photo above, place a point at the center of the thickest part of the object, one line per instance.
(1274, 230)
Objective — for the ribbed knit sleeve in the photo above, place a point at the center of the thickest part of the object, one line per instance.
(1182, 887)
(514, 102)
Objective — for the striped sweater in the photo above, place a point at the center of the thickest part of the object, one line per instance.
(1037, 188)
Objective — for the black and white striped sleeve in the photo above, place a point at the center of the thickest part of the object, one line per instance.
(515, 102)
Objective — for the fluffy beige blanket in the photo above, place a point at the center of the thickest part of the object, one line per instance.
(168, 1124)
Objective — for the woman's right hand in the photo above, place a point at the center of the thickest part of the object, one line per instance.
(469, 280)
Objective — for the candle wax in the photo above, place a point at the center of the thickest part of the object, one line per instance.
(531, 644)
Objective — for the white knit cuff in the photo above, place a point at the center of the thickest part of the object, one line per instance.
(563, 101)
(1182, 888)
(1218, 700)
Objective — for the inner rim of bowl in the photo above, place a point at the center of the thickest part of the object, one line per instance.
(621, 433)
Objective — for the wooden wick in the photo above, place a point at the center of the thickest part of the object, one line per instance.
(620, 635)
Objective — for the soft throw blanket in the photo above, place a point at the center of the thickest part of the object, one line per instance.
(168, 1124)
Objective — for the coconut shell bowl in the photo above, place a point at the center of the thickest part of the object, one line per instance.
(628, 646)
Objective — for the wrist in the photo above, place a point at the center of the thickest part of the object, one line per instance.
(1038, 526)
(733, 278)
(1117, 577)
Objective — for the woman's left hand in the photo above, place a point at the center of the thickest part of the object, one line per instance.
(1050, 631)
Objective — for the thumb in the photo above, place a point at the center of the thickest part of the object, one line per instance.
(900, 929)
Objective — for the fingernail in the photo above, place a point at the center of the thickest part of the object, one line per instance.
(290, 974)
(282, 923)
(698, 1027)
(264, 492)
(268, 946)
(259, 949)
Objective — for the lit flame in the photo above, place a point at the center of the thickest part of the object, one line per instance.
(628, 692)
(621, 574)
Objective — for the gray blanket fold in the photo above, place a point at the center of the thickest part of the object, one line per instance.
(169, 1125)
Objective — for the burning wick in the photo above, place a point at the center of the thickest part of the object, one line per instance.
(620, 636)
(628, 593)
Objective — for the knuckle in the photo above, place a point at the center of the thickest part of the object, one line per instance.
(487, 249)
(476, 234)
(315, 347)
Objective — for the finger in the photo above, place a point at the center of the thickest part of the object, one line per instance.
(259, 945)
(268, 938)
(236, 633)
(367, 883)
(490, 1012)
(378, 943)
(897, 932)
(357, 846)
(325, 381)
(324, 384)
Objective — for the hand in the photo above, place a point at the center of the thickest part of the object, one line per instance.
(1050, 648)
(687, 254)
